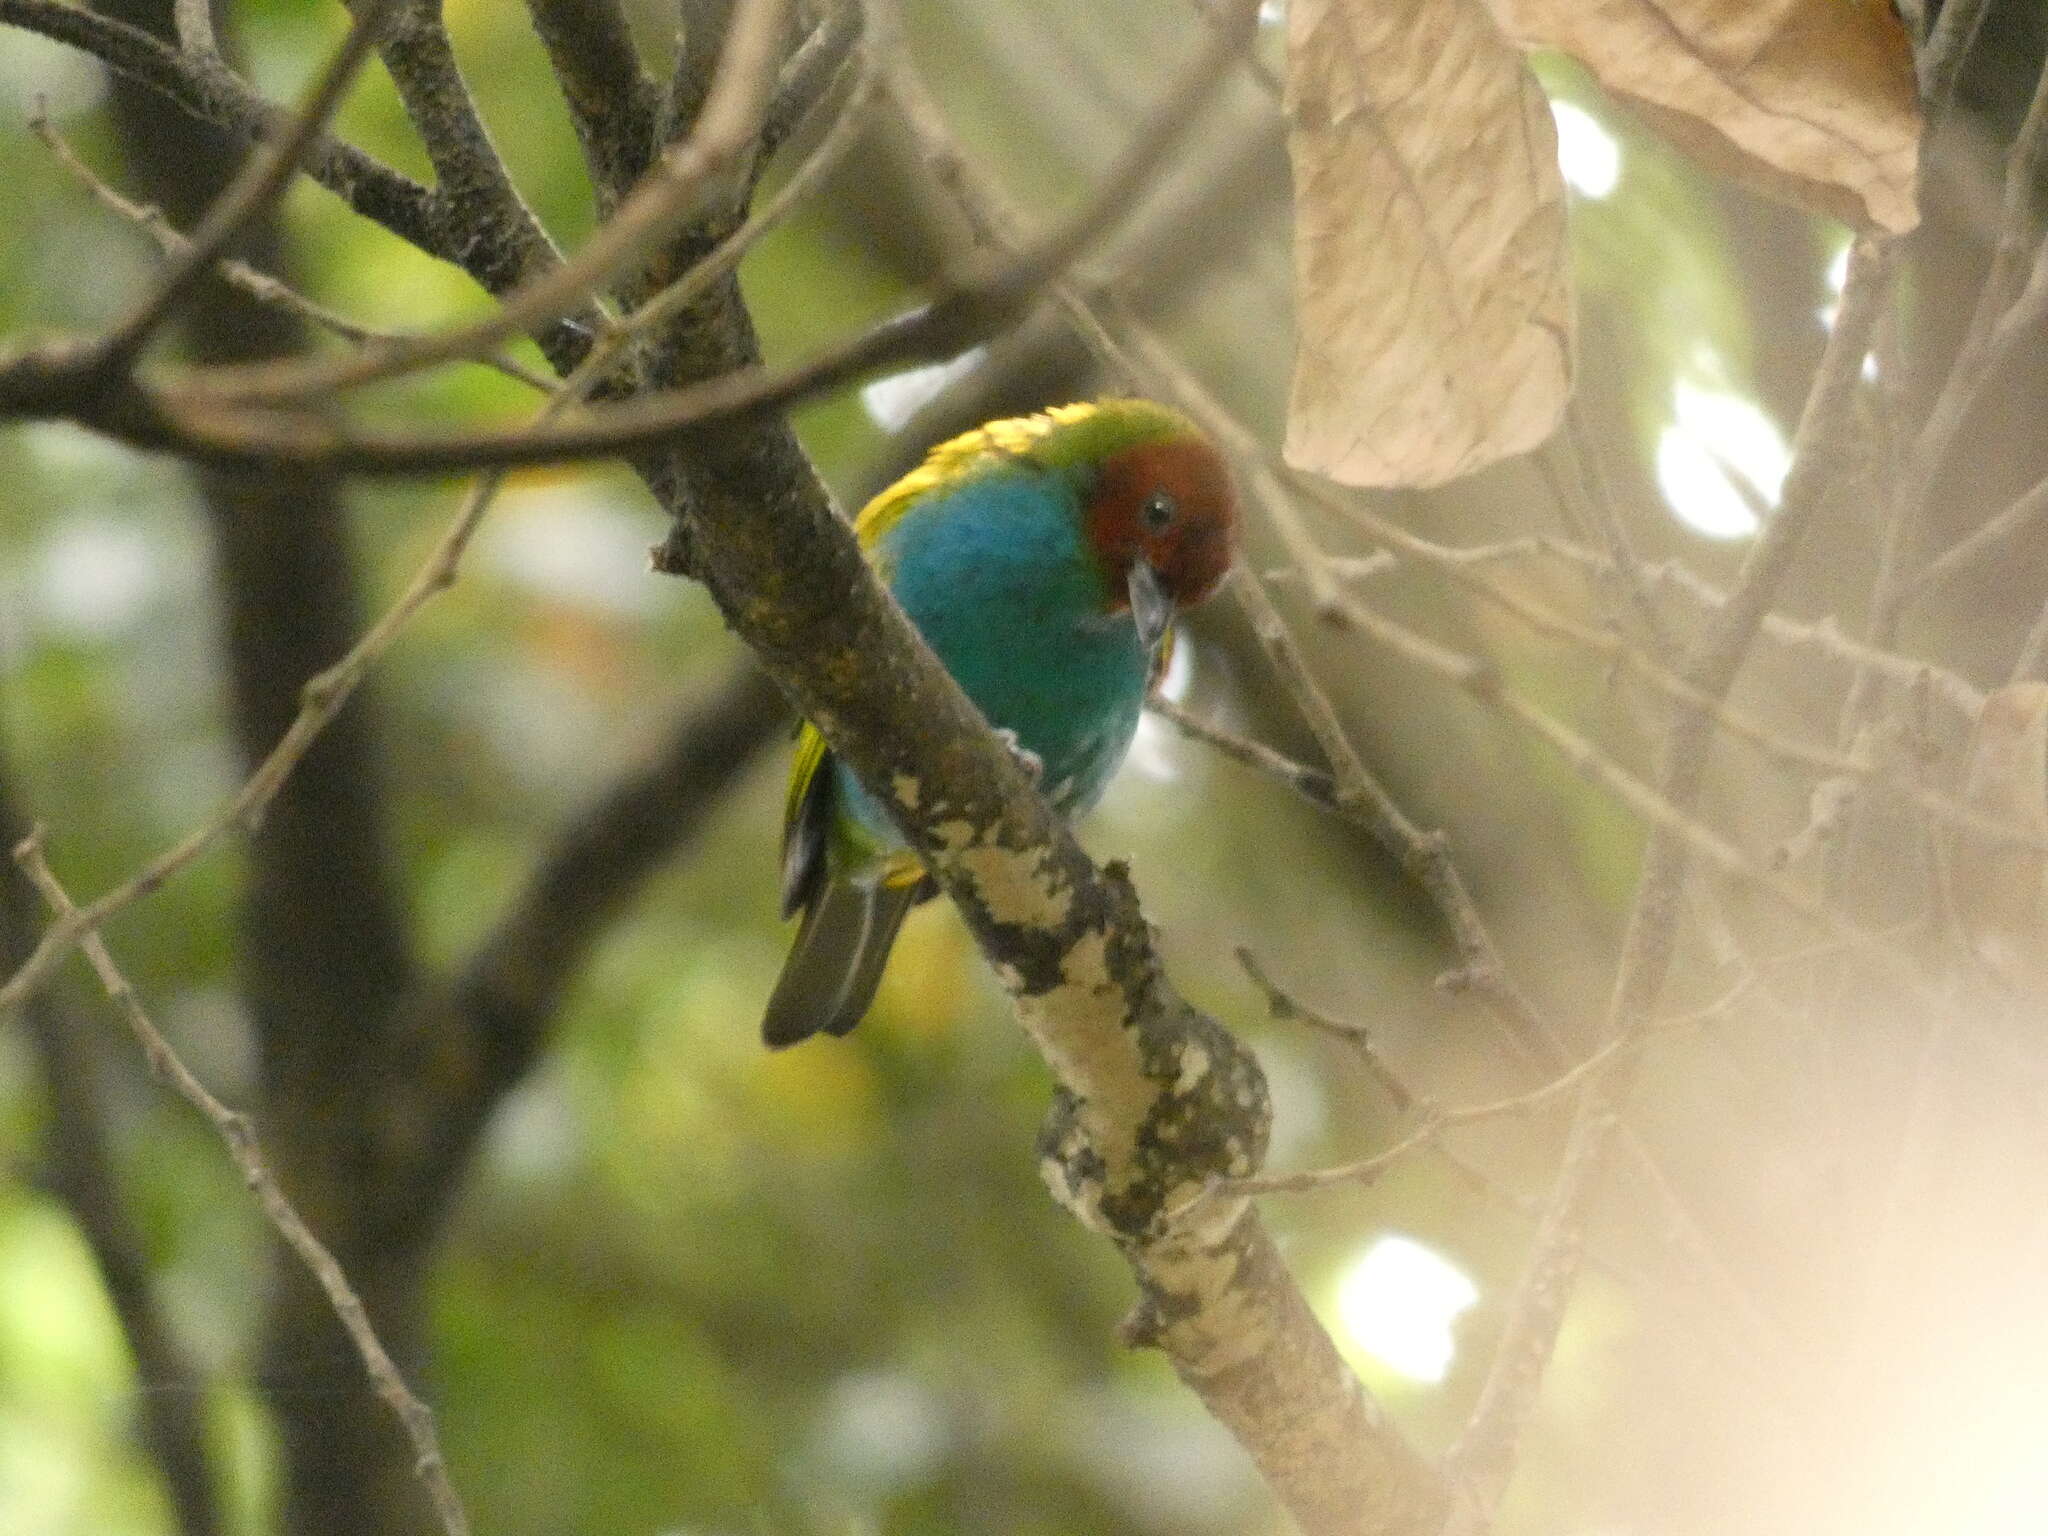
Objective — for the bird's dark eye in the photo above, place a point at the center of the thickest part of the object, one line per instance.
(1158, 511)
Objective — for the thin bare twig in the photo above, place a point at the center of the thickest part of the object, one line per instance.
(1313, 784)
(1432, 1126)
(693, 284)
(1620, 655)
(1588, 491)
(809, 72)
(1283, 1005)
(1436, 1121)
(1656, 807)
(80, 1166)
(663, 201)
(323, 698)
(261, 181)
(1424, 855)
(2013, 521)
(1484, 1457)
(1821, 635)
(1825, 637)
(235, 1132)
(260, 286)
(211, 92)
(47, 381)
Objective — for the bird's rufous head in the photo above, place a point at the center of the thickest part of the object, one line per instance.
(1166, 504)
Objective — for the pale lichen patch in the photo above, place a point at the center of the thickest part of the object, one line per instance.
(955, 837)
(1079, 1025)
(1225, 1327)
(1074, 1177)
(1018, 886)
(906, 788)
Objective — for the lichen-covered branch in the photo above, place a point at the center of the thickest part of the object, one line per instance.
(1154, 1098)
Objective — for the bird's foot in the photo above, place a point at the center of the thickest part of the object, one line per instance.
(1032, 764)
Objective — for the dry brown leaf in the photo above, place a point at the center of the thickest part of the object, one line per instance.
(2001, 889)
(1433, 315)
(1809, 100)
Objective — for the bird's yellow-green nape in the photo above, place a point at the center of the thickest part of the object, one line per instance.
(1061, 437)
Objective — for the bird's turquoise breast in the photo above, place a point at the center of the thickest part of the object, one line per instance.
(996, 575)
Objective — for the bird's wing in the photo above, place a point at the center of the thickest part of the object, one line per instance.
(807, 831)
(806, 819)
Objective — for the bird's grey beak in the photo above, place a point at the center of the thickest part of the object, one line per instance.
(1151, 608)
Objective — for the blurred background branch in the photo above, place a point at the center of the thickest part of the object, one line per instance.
(80, 1166)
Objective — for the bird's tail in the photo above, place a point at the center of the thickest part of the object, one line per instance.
(836, 963)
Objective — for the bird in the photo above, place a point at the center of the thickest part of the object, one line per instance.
(1043, 558)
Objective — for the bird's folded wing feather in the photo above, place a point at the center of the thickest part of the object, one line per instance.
(805, 818)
